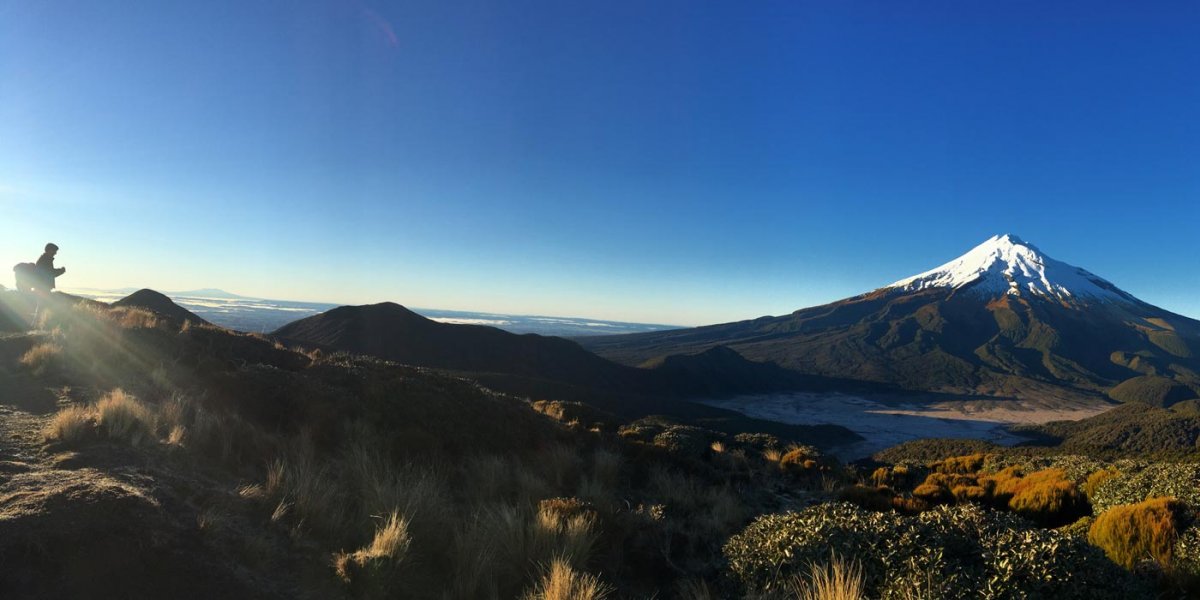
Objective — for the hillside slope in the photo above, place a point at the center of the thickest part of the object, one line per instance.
(391, 331)
(161, 305)
(1003, 320)
(554, 368)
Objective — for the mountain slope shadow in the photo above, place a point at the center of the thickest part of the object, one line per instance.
(543, 367)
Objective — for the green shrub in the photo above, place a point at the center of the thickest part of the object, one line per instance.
(979, 553)
(1141, 481)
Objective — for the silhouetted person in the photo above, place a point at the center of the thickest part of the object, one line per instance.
(45, 272)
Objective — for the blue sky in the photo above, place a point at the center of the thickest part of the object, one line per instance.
(677, 161)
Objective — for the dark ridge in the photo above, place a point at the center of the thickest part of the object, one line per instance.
(159, 304)
(542, 367)
(946, 341)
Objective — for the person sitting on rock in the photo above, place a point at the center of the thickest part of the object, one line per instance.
(46, 270)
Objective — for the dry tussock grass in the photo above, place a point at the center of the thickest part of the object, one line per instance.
(116, 416)
(840, 579)
(42, 358)
(71, 425)
(420, 493)
(127, 317)
(307, 492)
(561, 582)
(122, 417)
(496, 546)
(565, 528)
(694, 589)
(387, 549)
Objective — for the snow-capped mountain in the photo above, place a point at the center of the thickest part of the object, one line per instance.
(1004, 320)
(1006, 264)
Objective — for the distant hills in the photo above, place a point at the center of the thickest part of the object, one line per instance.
(391, 331)
(159, 304)
(543, 367)
(261, 315)
(1002, 320)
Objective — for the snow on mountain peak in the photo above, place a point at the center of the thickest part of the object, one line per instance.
(1005, 264)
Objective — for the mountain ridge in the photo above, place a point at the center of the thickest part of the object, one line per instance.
(974, 330)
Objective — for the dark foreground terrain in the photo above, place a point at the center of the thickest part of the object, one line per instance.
(143, 455)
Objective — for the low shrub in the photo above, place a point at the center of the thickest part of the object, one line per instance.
(1141, 481)
(799, 457)
(1045, 497)
(933, 493)
(870, 498)
(1132, 533)
(897, 476)
(979, 553)
(962, 465)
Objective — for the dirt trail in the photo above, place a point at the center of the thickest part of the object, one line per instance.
(26, 405)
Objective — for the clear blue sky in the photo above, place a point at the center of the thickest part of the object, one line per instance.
(669, 161)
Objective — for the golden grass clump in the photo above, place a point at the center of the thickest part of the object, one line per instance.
(562, 582)
(962, 465)
(120, 416)
(128, 317)
(71, 425)
(42, 358)
(1045, 496)
(565, 528)
(933, 493)
(1131, 533)
(898, 476)
(387, 549)
(877, 498)
(1095, 479)
(970, 493)
(798, 456)
(837, 580)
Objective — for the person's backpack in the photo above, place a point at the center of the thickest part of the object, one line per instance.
(27, 276)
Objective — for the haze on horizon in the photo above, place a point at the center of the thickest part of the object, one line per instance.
(666, 163)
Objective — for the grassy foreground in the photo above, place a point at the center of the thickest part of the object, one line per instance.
(163, 458)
